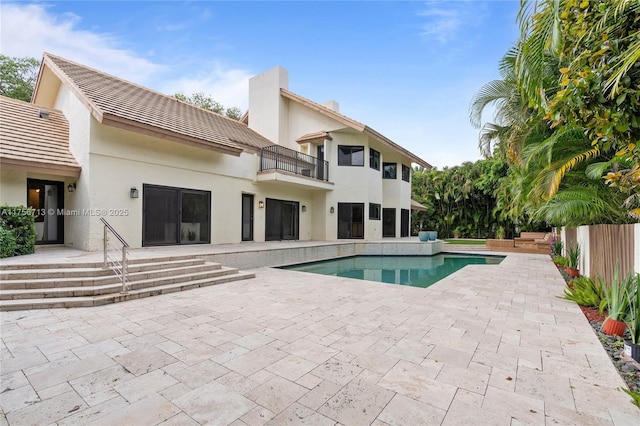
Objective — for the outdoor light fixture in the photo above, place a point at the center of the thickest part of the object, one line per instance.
(304, 208)
(71, 187)
(134, 192)
(260, 204)
(331, 210)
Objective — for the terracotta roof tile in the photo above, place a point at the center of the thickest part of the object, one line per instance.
(117, 102)
(30, 142)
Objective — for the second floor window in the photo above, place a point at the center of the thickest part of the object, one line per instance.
(406, 173)
(374, 159)
(389, 170)
(350, 155)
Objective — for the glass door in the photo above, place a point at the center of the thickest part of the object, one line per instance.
(281, 221)
(404, 223)
(247, 217)
(388, 222)
(351, 220)
(46, 198)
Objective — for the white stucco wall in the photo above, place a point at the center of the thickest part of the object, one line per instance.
(582, 237)
(13, 190)
(268, 110)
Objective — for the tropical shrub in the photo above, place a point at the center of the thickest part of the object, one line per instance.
(633, 317)
(7, 242)
(19, 220)
(573, 256)
(556, 247)
(615, 298)
(585, 292)
(560, 261)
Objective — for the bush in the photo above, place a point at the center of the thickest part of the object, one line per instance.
(20, 222)
(585, 292)
(561, 261)
(7, 242)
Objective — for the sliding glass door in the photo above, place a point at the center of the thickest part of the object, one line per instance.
(281, 220)
(351, 220)
(175, 216)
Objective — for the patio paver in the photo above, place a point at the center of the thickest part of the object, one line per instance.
(490, 344)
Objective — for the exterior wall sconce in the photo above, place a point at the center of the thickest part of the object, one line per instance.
(261, 204)
(134, 192)
(304, 208)
(331, 210)
(71, 187)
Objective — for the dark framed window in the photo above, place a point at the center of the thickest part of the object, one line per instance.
(374, 159)
(406, 173)
(349, 155)
(389, 171)
(374, 211)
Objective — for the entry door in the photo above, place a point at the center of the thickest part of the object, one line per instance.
(351, 220)
(46, 198)
(404, 223)
(320, 166)
(388, 222)
(281, 220)
(247, 217)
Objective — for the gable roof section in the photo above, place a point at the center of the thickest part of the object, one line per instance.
(119, 103)
(353, 124)
(29, 142)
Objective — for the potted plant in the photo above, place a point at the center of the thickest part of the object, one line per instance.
(632, 348)
(561, 262)
(423, 235)
(573, 257)
(617, 304)
(556, 246)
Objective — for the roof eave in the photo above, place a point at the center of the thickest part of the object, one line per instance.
(38, 167)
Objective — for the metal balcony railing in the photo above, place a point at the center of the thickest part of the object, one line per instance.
(276, 157)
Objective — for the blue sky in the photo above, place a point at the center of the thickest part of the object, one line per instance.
(408, 69)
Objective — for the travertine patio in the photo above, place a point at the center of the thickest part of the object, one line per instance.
(489, 345)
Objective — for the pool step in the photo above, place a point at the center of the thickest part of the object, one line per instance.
(88, 284)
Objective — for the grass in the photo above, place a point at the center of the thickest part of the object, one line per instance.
(465, 241)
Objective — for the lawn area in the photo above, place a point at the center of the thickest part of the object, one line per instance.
(465, 241)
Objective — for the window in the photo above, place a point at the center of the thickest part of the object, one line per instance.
(374, 211)
(406, 173)
(389, 170)
(374, 159)
(350, 155)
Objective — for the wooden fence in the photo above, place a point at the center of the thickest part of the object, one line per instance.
(605, 246)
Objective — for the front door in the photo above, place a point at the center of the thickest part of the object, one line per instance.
(281, 220)
(388, 222)
(46, 198)
(247, 217)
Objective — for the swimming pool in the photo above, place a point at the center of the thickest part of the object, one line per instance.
(415, 271)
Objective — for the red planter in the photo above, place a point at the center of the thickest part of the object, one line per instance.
(613, 327)
(573, 272)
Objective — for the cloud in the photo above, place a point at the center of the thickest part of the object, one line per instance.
(445, 20)
(29, 30)
(228, 86)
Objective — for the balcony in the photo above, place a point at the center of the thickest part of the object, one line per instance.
(276, 157)
(284, 166)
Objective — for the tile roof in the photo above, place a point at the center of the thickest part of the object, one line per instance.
(29, 142)
(315, 136)
(117, 102)
(356, 125)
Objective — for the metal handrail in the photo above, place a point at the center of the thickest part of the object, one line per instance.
(119, 266)
(280, 158)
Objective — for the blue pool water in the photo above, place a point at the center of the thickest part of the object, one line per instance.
(415, 271)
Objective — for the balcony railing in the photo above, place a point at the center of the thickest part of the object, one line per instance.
(276, 157)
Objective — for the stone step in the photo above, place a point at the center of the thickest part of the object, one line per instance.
(90, 271)
(87, 301)
(182, 275)
(94, 264)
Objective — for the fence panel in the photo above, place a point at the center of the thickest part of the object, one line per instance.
(610, 245)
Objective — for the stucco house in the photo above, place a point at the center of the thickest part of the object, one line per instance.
(164, 172)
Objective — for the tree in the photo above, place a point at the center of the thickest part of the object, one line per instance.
(18, 77)
(203, 101)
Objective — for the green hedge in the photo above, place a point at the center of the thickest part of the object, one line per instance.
(17, 231)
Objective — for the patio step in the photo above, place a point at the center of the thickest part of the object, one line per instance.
(87, 284)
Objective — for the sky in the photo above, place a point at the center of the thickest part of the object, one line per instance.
(407, 69)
